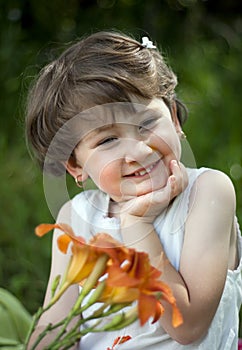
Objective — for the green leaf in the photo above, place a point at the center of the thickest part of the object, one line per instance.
(7, 341)
(14, 319)
(10, 344)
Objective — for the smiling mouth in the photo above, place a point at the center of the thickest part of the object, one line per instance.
(144, 171)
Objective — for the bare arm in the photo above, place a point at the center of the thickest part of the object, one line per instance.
(62, 307)
(199, 283)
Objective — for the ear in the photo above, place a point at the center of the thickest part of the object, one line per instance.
(75, 170)
(175, 118)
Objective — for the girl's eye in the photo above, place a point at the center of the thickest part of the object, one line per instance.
(147, 124)
(107, 140)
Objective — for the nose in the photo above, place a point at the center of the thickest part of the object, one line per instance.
(137, 151)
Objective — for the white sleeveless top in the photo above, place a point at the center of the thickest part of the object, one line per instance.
(89, 216)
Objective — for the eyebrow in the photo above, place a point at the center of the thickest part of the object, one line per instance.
(137, 114)
(96, 131)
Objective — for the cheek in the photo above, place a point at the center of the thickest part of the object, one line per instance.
(176, 146)
(166, 139)
(167, 142)
(109, 178)
(104, 170)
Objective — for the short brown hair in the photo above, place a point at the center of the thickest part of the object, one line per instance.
(104, 67)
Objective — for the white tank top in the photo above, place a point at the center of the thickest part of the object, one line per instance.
(90, 215)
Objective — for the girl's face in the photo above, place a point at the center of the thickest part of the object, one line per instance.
(129, 152)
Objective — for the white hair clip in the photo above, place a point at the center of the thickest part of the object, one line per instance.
(147, 43)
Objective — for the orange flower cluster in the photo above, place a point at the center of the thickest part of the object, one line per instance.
(129, 276)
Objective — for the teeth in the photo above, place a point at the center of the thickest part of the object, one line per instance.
(145, 171)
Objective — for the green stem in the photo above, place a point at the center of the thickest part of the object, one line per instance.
(66, 339)
(72, 337)
(91, 281)
(33, 324)
(92, 299)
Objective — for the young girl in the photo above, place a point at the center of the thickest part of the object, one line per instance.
(106, 109)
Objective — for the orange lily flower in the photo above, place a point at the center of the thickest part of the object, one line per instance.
(130, 276)
(85, 255)
(141, 275)
(101, 243)
(83, 259)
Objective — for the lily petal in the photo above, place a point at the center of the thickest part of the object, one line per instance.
(63, 242)
(42, 229)
(177, 318)
(146, 307)
(118, 278)
(158, 312)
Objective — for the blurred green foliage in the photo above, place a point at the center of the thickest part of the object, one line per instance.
(202, 41)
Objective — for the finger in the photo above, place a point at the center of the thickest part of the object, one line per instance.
(174, 184)
(175, 168)
(179, 171)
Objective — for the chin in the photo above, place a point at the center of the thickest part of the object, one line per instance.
(150, 189)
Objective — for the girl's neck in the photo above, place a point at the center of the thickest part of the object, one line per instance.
(113, 209)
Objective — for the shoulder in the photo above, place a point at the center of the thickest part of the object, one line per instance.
(215, 184)
(212, 199)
